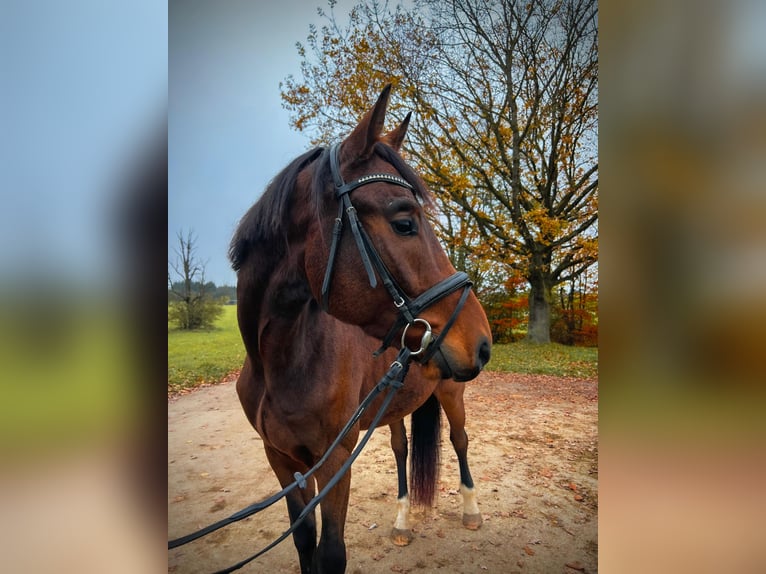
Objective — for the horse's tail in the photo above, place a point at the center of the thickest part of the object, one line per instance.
(424, 463)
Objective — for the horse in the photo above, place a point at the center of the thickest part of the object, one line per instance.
(329, 275)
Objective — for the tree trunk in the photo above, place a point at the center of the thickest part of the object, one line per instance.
(539, 328)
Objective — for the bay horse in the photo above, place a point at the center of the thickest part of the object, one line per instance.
(315, 301)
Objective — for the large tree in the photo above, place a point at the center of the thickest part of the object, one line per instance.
(505, 126)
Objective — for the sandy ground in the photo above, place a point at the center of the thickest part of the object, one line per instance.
(533, 455)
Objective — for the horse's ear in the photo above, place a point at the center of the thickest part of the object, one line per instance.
(394, 138)
(361, 141)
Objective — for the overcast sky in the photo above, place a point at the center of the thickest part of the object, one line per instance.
(228, 133)
(83, 87)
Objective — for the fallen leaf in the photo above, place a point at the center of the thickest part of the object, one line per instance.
(576, 565)
(529, 551)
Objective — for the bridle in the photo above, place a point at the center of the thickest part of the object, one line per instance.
(409, 309)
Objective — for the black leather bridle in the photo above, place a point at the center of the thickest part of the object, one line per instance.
(409, 309)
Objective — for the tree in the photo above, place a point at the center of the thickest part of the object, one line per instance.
(506, 309)
(192, 306)
(505, 101)
(575, 317)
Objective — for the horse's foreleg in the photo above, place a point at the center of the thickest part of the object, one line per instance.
(305, 536)
(450, 395)
(330, 557)
(401, 534)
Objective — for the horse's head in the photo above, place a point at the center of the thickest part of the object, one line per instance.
(386, 266)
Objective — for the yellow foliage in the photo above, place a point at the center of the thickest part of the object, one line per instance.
(503, 147)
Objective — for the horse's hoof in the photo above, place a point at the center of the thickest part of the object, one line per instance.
(472, 521)
(401, 537)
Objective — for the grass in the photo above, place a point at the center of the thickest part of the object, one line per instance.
(548, 359)
(196, 357)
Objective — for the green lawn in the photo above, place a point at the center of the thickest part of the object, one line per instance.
(196, 357)
(549, 359)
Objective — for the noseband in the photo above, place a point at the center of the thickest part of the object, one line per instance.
(408, 308)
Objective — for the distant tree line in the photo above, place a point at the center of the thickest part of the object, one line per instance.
(227, 294)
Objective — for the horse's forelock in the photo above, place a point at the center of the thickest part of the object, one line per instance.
(386, 152)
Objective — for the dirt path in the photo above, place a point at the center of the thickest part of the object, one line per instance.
(533, 456)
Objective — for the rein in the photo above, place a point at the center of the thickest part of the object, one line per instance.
(408, 308)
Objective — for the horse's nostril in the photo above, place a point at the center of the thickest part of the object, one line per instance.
(485, 350)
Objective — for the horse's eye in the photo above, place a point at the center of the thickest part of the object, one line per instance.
(404, 226)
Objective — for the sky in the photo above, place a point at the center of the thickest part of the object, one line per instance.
(228, 133)
(84, 85)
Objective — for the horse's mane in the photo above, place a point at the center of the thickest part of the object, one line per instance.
(264, 223)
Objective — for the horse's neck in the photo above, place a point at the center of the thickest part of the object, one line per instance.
(272, 287)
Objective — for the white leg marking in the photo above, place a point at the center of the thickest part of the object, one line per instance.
(402, 513)
(401, 535)
(470, 506)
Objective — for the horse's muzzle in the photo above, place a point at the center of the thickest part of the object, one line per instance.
(452, 369)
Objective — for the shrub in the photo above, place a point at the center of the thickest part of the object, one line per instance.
(198, 313)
